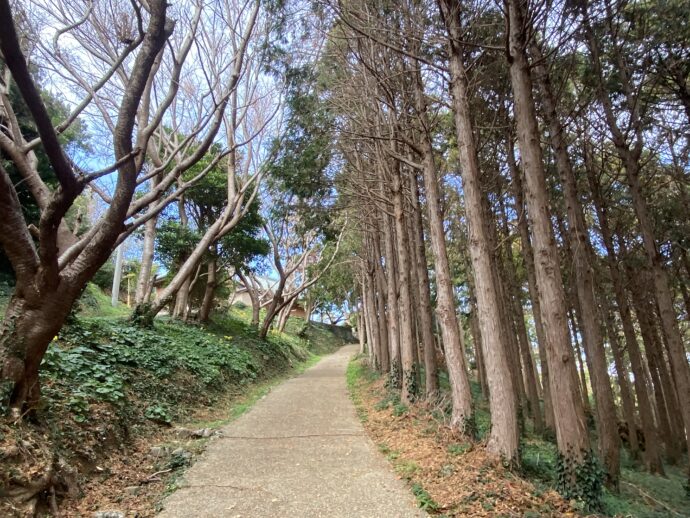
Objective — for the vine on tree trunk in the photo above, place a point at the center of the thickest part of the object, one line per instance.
(580, 480)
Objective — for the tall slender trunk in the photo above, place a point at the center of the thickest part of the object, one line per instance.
(582, 370)
(651, 452)
(528, 258)
(425, 317)
(370, 318)
(630, 157)
(380, 307)
(676, 349)
(361, 331)
(583, 257)
(571, 431)
(462, 418)
(392, 303)
(530, 378)
(627, 400)
(661, 384)
(505, 432)
(507, 323)
(408, 365)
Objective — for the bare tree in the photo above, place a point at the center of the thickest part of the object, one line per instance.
(51, 269)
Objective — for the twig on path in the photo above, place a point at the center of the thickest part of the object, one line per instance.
(154, 477)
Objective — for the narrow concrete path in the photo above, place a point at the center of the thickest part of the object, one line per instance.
(300, 452)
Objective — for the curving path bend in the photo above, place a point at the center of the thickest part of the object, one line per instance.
(299, 452)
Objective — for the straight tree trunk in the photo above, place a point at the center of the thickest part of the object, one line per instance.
(584, 389)
(392, 303)
(368, 317)
(361, 331)
(408, 372)
(627, 400)
(477, 344)
(662, 385)
(528, 258)
(505, 432)
(651, 455)
(571, 431)
(530, 378)
(462, 418)
(425, 316)
(630, 157)
(381, 305)
(583, 256)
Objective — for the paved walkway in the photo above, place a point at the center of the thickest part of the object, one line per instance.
(300, 452)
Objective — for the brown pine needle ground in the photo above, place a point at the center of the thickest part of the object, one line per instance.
(449, 476)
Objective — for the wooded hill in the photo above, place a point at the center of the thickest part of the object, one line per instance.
(481, 187)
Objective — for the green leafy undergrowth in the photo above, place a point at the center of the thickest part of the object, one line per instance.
(110, 379)
(424, 500)
(641, 494)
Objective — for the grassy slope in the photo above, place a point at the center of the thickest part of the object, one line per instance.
(641, 495)
(107, 384)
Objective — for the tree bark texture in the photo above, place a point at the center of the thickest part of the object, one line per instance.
(571, 432)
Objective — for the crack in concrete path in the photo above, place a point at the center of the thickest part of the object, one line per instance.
(303, 436)
(299, 452)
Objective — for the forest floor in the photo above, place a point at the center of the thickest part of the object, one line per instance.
(125, 411)
(300, 452)
(453, 477)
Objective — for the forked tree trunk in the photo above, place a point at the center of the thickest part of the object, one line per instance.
(145, 280)
(253, 297)
(29, 325)
(44, 294)
(571, 431)
(285, 315)
(182, 298)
